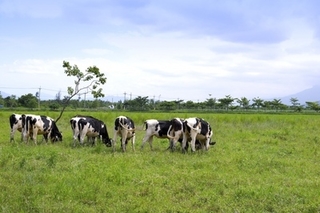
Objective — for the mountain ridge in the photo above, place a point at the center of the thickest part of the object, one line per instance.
(308, 95)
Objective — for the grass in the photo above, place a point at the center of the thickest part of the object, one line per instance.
(261, 163)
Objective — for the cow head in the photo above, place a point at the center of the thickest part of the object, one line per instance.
(56, 136)
(107, 142)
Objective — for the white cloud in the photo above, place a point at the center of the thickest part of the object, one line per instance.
(150, 48)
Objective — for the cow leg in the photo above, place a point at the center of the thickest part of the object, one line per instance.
(145, 139)
(124, 134)
(114, 140)
(150, 142)
(93, 141)
(82, 136)
(12, 135)
(193, 141)
(177, 135)
(25, 136)
(34, 135)
(132, 142)
(184, 142)
(45, 137)
(22, 135)
(76, 137)
(123, 143)
(207, 144)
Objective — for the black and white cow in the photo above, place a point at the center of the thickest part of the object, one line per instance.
(33, 125)
(196, 129)
(124, 127)
(175, 132)
(166, 129)
(91, 127)
(15, 125)
(153, 127)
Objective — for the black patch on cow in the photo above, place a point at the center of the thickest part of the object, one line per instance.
(176, 124)
(205, 127)
(13, 120)
(164, 126)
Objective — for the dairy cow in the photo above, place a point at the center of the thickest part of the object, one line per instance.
(196, 129)
(157, 128)
(91, 127)
(168, 129)
(175, 132)
(33, 125)
(124, 127)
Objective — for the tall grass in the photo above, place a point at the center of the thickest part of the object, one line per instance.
(261, 163)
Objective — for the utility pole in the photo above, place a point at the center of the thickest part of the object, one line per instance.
(39, 97)
(124, 100)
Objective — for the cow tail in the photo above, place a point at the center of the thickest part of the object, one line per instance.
(125, 127)
(191, 127)
(144, 127)
(168, 135)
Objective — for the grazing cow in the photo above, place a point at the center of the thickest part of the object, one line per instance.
(153, 127)
(91, 127)
(33, 125)
(196, 129)
(168, 129)
(124, 127)
(175, 132)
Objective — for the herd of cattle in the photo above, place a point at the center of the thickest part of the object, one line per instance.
(195, 131)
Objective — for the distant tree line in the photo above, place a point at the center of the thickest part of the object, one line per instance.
(140, 103)
(91, 79)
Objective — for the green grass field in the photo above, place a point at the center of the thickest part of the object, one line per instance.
(260, 163)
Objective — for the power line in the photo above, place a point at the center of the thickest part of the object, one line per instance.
(131, 95)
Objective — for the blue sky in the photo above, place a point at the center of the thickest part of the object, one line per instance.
(170, 50)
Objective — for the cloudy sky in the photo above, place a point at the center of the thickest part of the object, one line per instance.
(189, 50)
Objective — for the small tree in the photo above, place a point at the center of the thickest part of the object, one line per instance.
(276, 104)
(295, 105)
(243, 102)
(11, 101)
(92, 76)
(313, 105)
(211, 103)
(226, 102)
(28, 100)
(257, 102)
